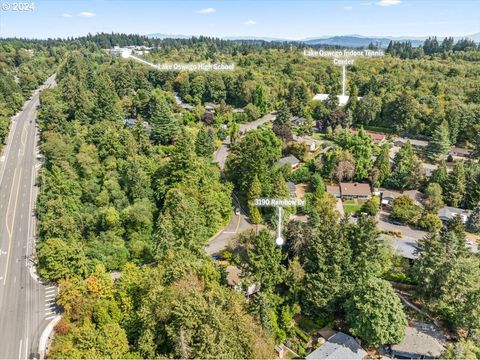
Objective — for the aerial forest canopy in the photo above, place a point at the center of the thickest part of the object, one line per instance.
(130, 195)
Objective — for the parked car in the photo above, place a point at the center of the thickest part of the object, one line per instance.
(395, 222)
(237, 211)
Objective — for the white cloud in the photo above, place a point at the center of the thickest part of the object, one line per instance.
(388, 2)
(249, 22)
(67, 15)
(348, 8)
(86, 14)
(207, 11)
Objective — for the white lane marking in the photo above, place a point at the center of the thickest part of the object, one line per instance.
(51, 287)
(49, 291)
(15, 280)
(13, 226)
(26, 347)
(20, 350)
(50, 317)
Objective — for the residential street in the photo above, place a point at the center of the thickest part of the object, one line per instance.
(220, 156)
(26, 305)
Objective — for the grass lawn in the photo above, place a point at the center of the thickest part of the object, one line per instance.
(351, 206)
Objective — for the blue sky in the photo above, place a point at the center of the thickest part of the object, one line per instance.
(281, 18)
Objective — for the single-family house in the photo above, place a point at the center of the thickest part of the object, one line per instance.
(307, 140)
(292, 188)
(210, 107)
(334, 190)
(339, 346)
(421, 341)
(233, 277)
(399, 141)
(461, 152)
(355, 191)
(298, 120)
(289, 160)
(388, 196)
(187, 107)
(447, 213)
(234, 280)
(377, 137)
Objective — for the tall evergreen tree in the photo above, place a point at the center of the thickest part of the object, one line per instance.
(162, 120)
(473, 222)
(456, 185)
(260, 99)
(439, 144)
(382, 163)
(204, 144)
(407, 171)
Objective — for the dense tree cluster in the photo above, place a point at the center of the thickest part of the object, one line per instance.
(151, 309)
(108, 192)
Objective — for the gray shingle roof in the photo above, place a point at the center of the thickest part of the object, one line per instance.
(339, 346)
(291, 160)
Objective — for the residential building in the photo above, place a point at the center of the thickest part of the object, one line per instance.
(388, 196)
(399, 141)
(339, 346)
(298, 120)
(233, 277)
(334, 190)
(461, 152)
(307, 140)
(377, 137)
(292, 188)
(355, 191)
(448, 213)
(289, 160)
(422, 341)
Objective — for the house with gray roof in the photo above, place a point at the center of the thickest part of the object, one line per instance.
(421, 341)
(339, 346)
(292, 188)
(448, 213)
(289, 160)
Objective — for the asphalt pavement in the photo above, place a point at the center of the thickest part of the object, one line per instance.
(26, 304)
(220, 156)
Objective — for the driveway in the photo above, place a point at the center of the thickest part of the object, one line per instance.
(407, 231)
(220, 156)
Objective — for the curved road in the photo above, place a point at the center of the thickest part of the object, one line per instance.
(26, 305)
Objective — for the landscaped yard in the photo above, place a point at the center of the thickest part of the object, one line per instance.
(351, 206)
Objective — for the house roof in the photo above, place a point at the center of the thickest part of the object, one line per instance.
(291, 186)
(458, 150)
(355, 189)
(333, 189)
(298, 120)
(375, 135)
(415, 195)
(291, 160)
(233, 275)
(449, 212)
(414, 142)
(338, 346)
(419, 341)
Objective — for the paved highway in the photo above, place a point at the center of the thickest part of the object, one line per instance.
(26, 305)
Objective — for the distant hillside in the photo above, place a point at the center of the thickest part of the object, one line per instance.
(351, 41)
(168, 36)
